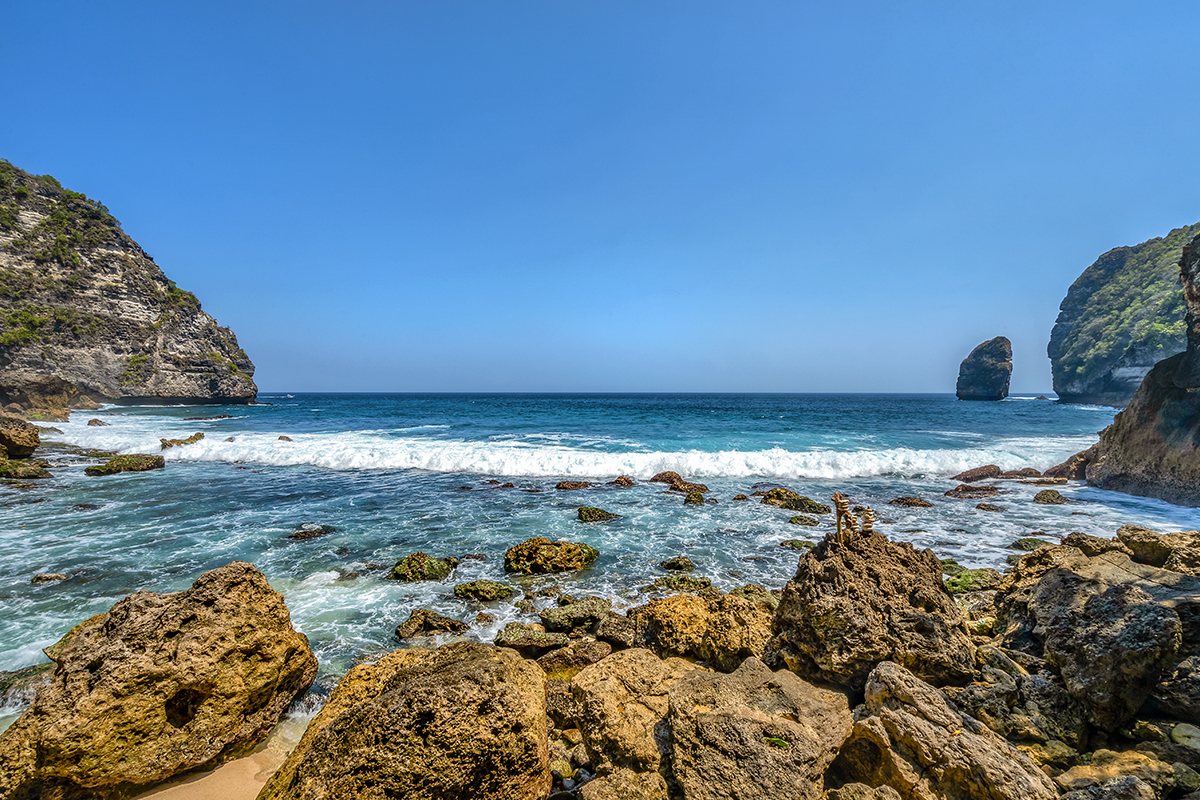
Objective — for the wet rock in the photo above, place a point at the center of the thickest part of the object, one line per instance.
(758, 594)
(687, 487)
(984, 374)
(908, 737)
(20, 686)
(753, 734)
(15, 469)
(738, 627)
(464, 721)
(793, 501)
(529, 640)
(965, 491)
(539, 556)
(622, 708)
(802, 520)
(852, 605)
(972, 580)
(666, 477)
(678, 564)
(694, 499)
(910, 502)
(159, 684)
(1107, 765)
(169, 443)
(311, 530)
(624, 481)
(989, 507)
(1049, 497)
(1129, 788)
(424, 622)
(422, 567)
(978, 474)
(1029, 544)
(798, 544)
(97, 423)
(136, 462)
(571, 486)
(739, 498)
(285, 438)
(18, 437)
(48, 577)
(483, 590)
(1024, 472)
(1075, 467)
(566, 662)
(588, 514)
(581, 616)
(683, 583)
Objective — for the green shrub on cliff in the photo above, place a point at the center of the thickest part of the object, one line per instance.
(1126, 309)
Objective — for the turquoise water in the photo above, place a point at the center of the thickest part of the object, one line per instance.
(387, 472)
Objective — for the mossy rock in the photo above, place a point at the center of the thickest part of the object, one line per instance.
(989, 507)
(580, 616)
(678, 564)
(571, 486)
(911, 502)
(807, 506)
(803, 520)
(422, 567)
(169, 443)
(1029, 544)
(778, 496)
(683, 583)
(22, 470)
(588, 514)
(483, 590)
(694, 499)
(756, 594)
(423, 622)
(973, 580)
(134, 462)
(1049, 497)
(539, 556)
(529, 641)
(798, 544)
(952, 567)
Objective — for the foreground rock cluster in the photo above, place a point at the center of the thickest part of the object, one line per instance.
(1077, 675)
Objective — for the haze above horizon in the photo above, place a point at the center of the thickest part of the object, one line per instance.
(621, 197)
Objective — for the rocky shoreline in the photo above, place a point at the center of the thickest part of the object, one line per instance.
(877, 671)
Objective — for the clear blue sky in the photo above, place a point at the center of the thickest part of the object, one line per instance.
(618, 196)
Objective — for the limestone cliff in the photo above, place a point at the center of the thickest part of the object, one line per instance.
(86, 314)
(1123, 315)
(1152, 448)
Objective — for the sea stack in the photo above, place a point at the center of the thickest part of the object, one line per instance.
(1152, 449)
(86, 315)
(984, 374)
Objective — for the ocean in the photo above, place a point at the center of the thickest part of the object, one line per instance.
(394, 474)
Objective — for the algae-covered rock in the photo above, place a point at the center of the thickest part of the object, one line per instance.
(571, 486)
(587, 514)
(311, 530)
(134, 462)
(965, 491)
(169, 443)
(1029, 544)
(694, 499)
(23, 470)
(421, 567)
(160, 684)
(529, 640)
(972, 580)
(18, 437)
(798, 544)
(484, 590)
(539, 556)
(423, 622)
(988, 507)
(1049, 497)
(464, 721)
(580, 616)
(683, 583)
(803, 520)
(566, 662)
(911, 502)
(678, 564)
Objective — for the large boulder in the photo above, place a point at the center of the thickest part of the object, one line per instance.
(538, 556)
(466, 720)
(854, 604)
(738, 628)
(18, 437)
(908, 737)
(753, 734)
(984, 374)
(621, 703)
(160, 684)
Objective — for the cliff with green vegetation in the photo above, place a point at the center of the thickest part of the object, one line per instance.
(1122, 316)
(87, 316)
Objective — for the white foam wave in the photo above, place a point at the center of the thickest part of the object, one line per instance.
(374, 450)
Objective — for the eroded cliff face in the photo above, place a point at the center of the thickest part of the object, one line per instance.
(1122, 316)
(1152, 448)
(86, 314)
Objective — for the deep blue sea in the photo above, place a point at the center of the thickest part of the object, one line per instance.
(388, 471)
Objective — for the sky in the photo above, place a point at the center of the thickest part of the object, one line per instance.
(618, 196)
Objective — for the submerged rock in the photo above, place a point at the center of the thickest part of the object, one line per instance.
(160, 684)
(984, 374)
(753, 734)
(311, 530)
(136, 462)
(539, 556)
(464, 721)
(852, 605)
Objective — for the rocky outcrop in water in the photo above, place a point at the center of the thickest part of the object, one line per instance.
(160, 684)
(1152, 448)
(984, 374)
(86, 315)
(1122, 316)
